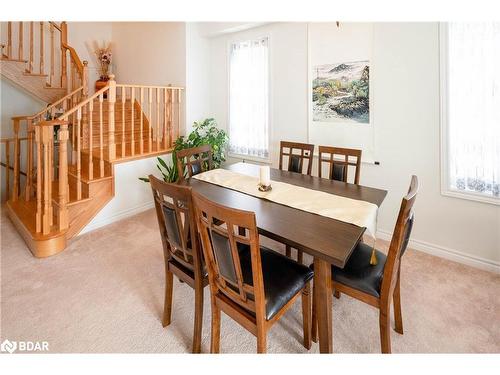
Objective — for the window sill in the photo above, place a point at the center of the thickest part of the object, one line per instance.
(249, 158)
(471, 196)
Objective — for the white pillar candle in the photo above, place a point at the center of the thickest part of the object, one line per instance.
(265, 175)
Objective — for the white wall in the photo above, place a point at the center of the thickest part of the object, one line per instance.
(405, 105)
(150, 53)
(197, 73)
(82, 36)
(131, 195)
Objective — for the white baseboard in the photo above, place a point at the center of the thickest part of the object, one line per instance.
(116, 217)
(447, 253)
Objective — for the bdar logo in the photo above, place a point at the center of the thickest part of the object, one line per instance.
(8, 346)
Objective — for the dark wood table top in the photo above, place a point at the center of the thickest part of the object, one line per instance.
(329, 239)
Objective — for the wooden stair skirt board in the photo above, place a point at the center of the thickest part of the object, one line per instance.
(95, 195)
(33, 84)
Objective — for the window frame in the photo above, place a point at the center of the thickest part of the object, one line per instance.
(446, 189)
(240, 39)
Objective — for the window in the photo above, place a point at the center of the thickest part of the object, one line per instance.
(470, 123)
(249, 98)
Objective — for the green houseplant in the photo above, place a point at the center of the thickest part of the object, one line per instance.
(204, 132)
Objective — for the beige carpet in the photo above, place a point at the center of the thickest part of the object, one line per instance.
(105, 294)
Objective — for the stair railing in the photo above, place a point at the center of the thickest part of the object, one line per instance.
(148, 121)
(160, 125)
(48, 173)
(23, 127)
(14, 169)
(44, 39)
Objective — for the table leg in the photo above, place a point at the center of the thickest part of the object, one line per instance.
(323, 299)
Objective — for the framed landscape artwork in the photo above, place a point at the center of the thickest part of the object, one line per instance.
(341, 92)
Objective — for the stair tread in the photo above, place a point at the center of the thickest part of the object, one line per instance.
(6, 58)
(84, 176)
(72, 195)
(34, 74)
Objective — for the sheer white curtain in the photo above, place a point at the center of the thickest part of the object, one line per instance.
(249, 98)
(473, 104)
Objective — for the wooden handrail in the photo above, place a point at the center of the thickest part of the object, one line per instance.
(11, 168)
(52, 122)
(5, 140)
(53, 105)
(150, 86)
(58, 27)
(84, 102)
(74, 57)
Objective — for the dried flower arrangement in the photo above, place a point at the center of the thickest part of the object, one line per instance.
(104, 56)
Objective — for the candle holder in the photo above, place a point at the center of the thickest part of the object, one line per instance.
(264, 188)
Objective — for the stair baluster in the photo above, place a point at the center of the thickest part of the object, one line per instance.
(111, 118)
(142, 120)
(132, 111)
(30, 63)
(63, 198)
(124, 94)
(78, 154)
(176, 129)
(42, 49)
(9, 40)
(91, 140)
(15, 189)
(165, 122)
(157, 120)
(7, 169)
(21, 41)
(52, 56)
(150, 100)
(29, 162)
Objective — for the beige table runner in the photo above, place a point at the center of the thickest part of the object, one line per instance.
(360, 213)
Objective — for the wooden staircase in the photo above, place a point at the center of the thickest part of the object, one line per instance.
(71, 148)
(25, 64)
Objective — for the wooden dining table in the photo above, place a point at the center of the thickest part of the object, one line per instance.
(328, 241)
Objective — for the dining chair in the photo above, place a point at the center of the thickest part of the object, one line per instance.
(377, 284)
(296, 159)
(181, 248)
(252, 284)
(194, 160)
(339, 160)
(296, 164)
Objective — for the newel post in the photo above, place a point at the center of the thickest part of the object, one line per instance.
(15, 189)
(47, 137)
(111, 117)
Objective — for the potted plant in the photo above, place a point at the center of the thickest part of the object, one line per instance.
(204, 132)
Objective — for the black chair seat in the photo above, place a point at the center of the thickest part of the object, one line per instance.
(358, 273)
(283, 277)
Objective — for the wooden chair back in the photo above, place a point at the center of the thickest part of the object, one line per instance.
(399, 241)
(176, 219)
(339, 160)
(194, 160)
(223, 240)
(296, 160)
